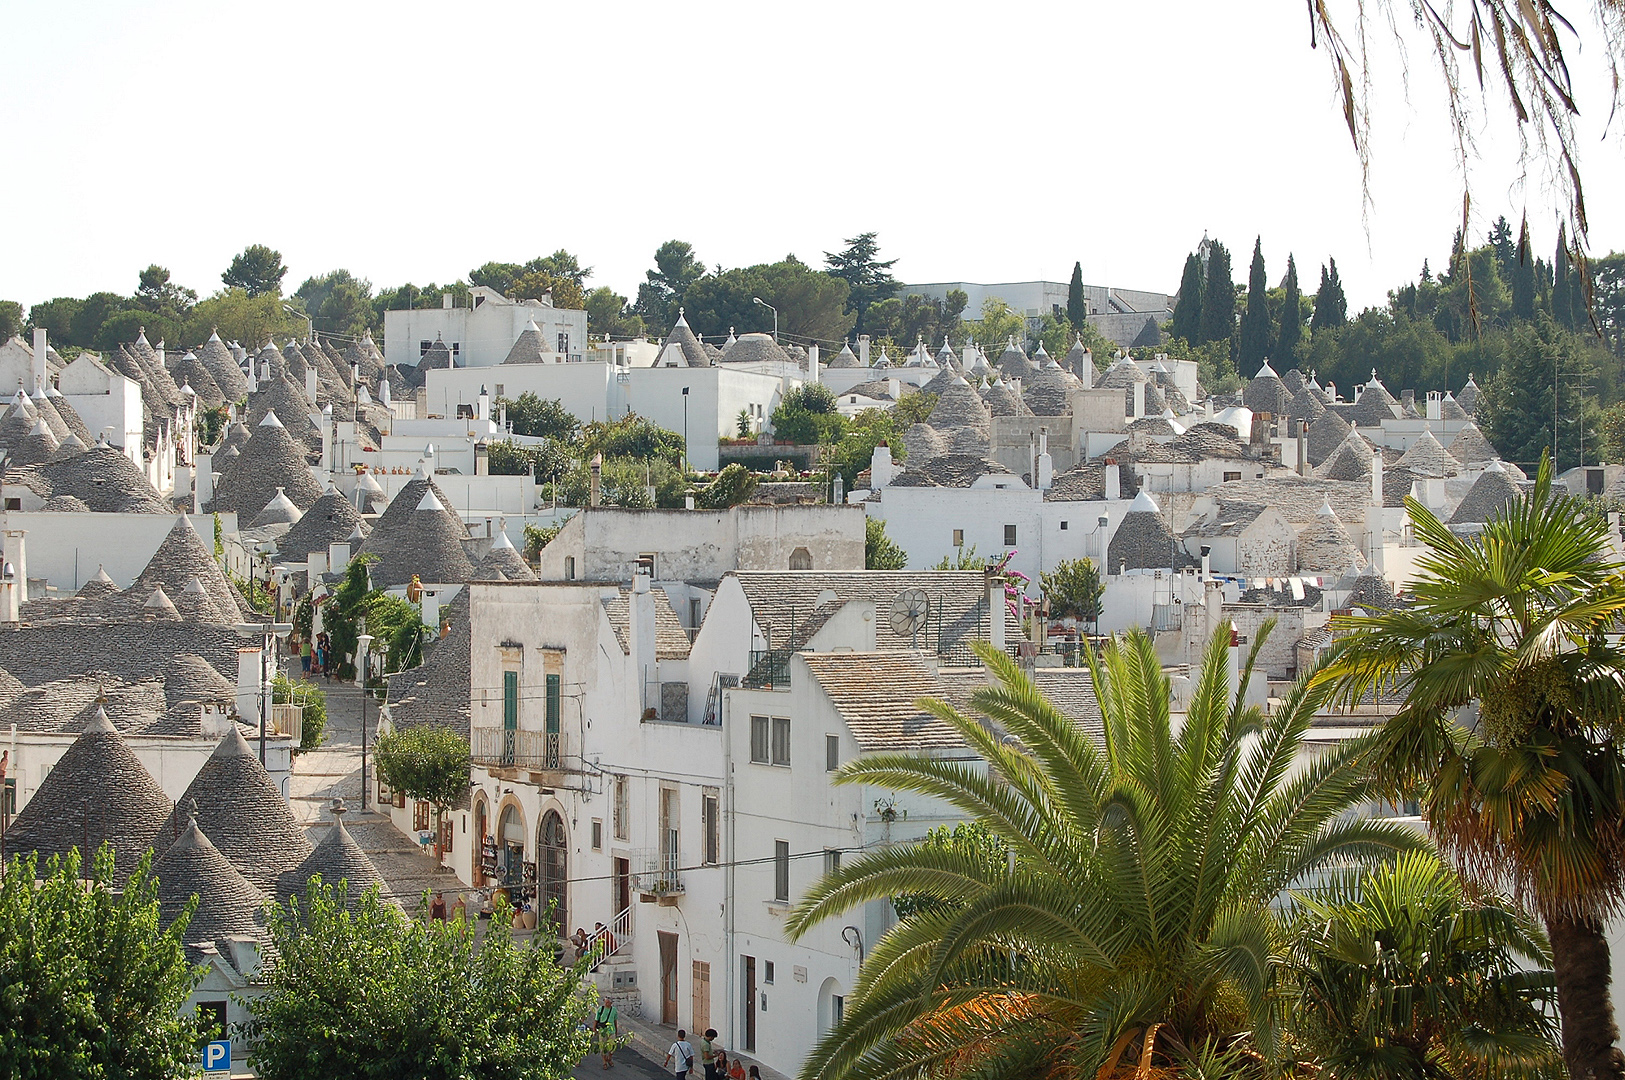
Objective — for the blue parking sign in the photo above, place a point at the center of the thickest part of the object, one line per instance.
(217, 1057)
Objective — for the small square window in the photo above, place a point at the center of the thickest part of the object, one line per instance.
(781, 740)
(1063, 526)
(832, 753)
(767, 971)
(1009, 536)
(598, 834)
(781, 875)
(1232, 476)
(832, 860)
(959, 538)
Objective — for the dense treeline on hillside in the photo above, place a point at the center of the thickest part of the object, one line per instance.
(1528, 330)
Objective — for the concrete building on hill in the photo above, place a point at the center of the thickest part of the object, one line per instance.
(484, 334)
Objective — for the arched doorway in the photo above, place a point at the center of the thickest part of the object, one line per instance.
(511, 846)
(552, 869)
(485, 848)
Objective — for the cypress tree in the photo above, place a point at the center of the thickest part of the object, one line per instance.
(1291, 336)
(1562, 282)
(1188, 308)
(1331, 306)
(1523, 278)
(1076, 310)
(1501, 240)
(1255, 323)
(1218, 297)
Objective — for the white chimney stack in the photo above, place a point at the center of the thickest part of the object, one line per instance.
(641, 632)
(1376, 478)
(248, 682)
(42, 345)
(863, 349)
(880, 467)
(995, 612)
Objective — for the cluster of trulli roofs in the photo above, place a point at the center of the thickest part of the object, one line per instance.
(656, 704)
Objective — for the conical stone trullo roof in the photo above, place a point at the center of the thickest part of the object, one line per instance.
(239, 806)
(504, 559)
(336, 857)
(269, 460)
(426, 544)
(228, 904)
(97, 792)
(1487, 498)
(181, 559)
(330, 520)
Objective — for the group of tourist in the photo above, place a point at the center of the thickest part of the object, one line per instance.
(316, 657)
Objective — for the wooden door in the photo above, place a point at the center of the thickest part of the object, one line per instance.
(668, 978)
(702, 996)
(622, 885)
(749, 1004)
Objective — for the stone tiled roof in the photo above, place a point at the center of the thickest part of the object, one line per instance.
(1305, 406)
(529, 347)
(329, 520)
(179, 560)
(97, 791)
(1085, 481)
(1351, 461)
(1428, 457)
(1468, 398)
(948, 470)
(1374, 406)
(427, 544)
(223, 366)
(1072, 691)
(503, 559)
(1471, 446)
(101, 477)
(438, 690)
(846, 358)
(922, 442)
(240, 808)
(1001, 400)
(783, 600)
(126, 650)
(1013, 363)
(1049, 391)
(1144, 541)
(959, 406)
(1487, 498)
(1080, 362)
(437, 356)
(1265, 392)
(876, 695)
(1298, 498)
(1325, 546)
(1371, 591)
(293, 409)
(228, 904)
(1450, 409)
(70, 417)
(755, 349)
(671, 640)
(1327, 433)
(336, 857)
(270, 460)
(682, 338)
(192, 678)
(190, 371)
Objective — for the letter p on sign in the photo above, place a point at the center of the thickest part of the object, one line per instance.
(217, 1057)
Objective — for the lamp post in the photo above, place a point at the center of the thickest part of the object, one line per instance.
(310, 335)
(774, 310)
(363, 646)
(268, 634)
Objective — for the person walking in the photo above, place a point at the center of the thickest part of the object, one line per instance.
(708, 1054)
(304, 656)
(682, 1053)
(607, 1025)
(437, 909)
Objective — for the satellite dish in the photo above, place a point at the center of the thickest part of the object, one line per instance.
(908, 613)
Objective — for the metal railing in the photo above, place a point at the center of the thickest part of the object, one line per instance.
(769, 670)
(658, 872)
(614, 938)
(508, 748)
(289, 720)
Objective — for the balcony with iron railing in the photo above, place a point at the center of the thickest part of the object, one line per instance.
(769, 670)
(505, 748)
(657, 875)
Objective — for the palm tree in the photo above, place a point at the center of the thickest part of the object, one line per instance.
(1399, 973)
(1130, 925)
(1531, 794)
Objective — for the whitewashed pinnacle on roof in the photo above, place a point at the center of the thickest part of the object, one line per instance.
(214, 335)
(1266, 372)
(1325, 509)
(429, 502)
(1144, 503)
(270, 420)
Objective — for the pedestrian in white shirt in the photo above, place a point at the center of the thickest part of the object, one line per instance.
(681, 1053)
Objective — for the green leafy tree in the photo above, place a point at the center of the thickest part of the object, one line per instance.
(123, 326)
(1077, 308)
(1331, 306)
(531, 414)
(257, 270)
(900, 321)
(735, 484)
(1501, 242)
(158, 294)
(412, 297)
(1289, 340)
(812, 305)
(1073, 589)
(913, 409)
(367, 990)
(660, 295)
(972, 841)
(90, 986)
(1187, 322)
(806, 415)
(631, 436)
(1523, 278)
(89, 315)
(1400, 973)
(249, 320)
(1218, 296)
(535, 284)
(56, 318)
(963, 558)
(1530, 796)
(609, 315)
(537, 537)
(639, 483)
(868, 277)
(11, 319)
(999, 323)
(426, 761)
(880, 552)
(311, 699)
(1516, 405)
(1130, 924)
(347, 311)
(1255, 322)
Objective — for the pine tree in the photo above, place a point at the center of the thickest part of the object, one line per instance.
(1427, 274)
(1188, 308)
(1255, 324)
(1562, 282)
(1218, 297)
(1331, 306)
(1506, 253)
(1523, 278)
(1077, 311)
(1291, 335)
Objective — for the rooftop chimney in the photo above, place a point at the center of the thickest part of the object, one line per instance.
(595, 471)
(880, 467)
(641, 632)
(41, 347)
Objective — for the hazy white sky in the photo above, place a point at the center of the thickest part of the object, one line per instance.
(983, 142)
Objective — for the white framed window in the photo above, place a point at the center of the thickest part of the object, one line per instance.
(781, 875)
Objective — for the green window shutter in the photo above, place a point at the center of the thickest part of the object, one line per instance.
(510, 700)
(552, 704)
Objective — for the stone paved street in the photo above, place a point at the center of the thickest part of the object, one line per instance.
(335, 770)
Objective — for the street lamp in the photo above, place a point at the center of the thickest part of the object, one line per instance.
(310, 334)
(774, 310)
(268, 634)
(363, 644)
